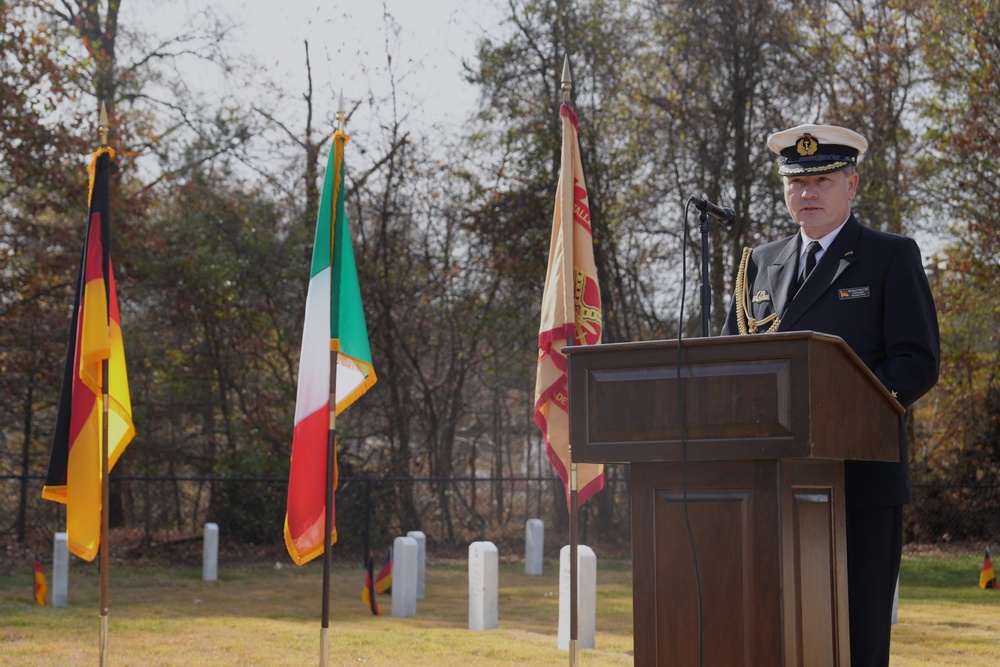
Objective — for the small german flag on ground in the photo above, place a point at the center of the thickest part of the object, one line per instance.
(383, 580)
(987, 578)
(377, 583)
(368, 594)
(41, 586)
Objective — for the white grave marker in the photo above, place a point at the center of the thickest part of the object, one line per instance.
(404, 576)
(895, 604)
(484, 562)
(586, 597)
(421, 560)
(210, 553)
(60, 570)
(534, 546)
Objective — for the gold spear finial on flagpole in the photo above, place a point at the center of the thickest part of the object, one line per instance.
(102, 125)
(341, 113)
(567, 80)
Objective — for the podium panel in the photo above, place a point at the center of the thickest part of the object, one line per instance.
(769, 564)
(787, 395)
(739, 443)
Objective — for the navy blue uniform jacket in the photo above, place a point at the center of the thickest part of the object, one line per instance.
(869, 288)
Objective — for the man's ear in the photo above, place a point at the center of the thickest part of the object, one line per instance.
(852, 185)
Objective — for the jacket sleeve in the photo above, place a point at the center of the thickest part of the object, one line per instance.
(730, 327)
(911, 339)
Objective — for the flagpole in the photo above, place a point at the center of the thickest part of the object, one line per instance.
(567, 87)
(102, 125)
(331, 454)
(574, 620)
(104, 518)
(331, 459)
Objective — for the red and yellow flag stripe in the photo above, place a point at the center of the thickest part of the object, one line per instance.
(74, 476)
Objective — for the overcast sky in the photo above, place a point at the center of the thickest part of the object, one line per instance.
(348, 45)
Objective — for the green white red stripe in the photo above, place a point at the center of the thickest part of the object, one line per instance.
(334, 323)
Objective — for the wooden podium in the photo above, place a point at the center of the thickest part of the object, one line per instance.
(757, 477)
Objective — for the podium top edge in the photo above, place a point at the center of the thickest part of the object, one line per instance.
(709, 340)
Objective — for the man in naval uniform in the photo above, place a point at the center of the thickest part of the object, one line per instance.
(839, 277)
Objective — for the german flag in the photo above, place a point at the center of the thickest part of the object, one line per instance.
(987, 578)
(95, 337)
(383, 580)
(41, 585)
(368, 594)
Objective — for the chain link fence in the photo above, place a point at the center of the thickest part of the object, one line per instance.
(154, 514)
(159, 515)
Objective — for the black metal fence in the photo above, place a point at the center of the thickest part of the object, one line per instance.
(156, 511)
(370, 511)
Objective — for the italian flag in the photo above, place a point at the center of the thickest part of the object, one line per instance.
(334, 336)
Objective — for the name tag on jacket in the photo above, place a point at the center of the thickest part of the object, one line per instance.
(854, 293)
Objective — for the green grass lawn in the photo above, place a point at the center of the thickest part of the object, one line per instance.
(268, 614)
(944, 617)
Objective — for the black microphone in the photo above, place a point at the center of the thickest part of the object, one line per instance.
(726, 216)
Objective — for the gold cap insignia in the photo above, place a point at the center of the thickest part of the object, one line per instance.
(806, 145)
(761, 296)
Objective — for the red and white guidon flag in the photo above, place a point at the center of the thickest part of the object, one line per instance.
(571, 311)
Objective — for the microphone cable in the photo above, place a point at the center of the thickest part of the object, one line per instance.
(683, 433)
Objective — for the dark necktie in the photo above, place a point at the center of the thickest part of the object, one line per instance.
(811, 250)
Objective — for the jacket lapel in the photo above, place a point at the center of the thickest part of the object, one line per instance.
(781, 275)
(838, 258)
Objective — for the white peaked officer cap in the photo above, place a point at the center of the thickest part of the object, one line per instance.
(807, 150)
